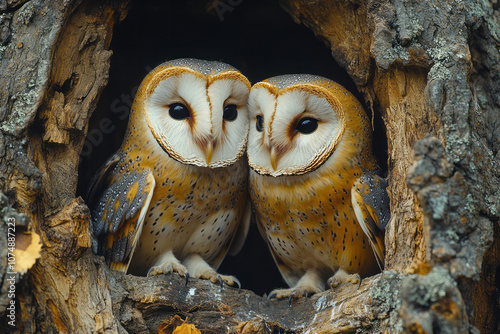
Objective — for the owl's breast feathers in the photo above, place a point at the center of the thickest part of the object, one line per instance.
(135, 192)
(332, 218)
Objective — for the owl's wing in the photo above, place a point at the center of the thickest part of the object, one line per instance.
(371, 206)
(242, 232)
(101, 179)
(118, 217)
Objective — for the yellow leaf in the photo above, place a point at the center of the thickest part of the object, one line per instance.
(27, 251)
(186, 329)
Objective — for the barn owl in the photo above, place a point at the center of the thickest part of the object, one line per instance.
(318, 201)
(174, 196)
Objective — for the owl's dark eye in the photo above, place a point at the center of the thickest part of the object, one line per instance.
(178, 111)
(230, 112)
(259, 125)
(307, 125)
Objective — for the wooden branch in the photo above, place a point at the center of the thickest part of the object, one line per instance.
(144, 304)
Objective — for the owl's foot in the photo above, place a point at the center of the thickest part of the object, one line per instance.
(296, 292)
(221, 279)
(167, 264)
(343, 277)
(308, 285)
(198, 268)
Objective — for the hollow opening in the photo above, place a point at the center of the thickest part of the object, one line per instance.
(257, 37)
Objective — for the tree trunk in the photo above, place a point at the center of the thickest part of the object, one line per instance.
(429, 69)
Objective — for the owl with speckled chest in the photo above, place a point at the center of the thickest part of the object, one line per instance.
(173, 198)
(318, 201)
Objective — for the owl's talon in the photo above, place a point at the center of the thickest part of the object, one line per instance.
(359, 280)
(272, 294)
(155, 270)
(329, 283)
(290, 300)
(187, 279)
(229, 281)
(238, 283)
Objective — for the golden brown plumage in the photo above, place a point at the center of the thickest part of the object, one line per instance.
(314, 201)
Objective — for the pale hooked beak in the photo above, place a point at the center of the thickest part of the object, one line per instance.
(274, 159)
(209, 150)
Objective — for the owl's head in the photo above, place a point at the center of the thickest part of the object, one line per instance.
(296, 121)
(197, 111)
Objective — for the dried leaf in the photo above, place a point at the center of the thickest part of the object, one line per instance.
(186, 329)
(27, 251)
(176, 325)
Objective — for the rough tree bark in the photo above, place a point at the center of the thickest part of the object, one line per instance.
(431, 69)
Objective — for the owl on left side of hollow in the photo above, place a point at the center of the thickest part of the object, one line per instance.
(173, 198)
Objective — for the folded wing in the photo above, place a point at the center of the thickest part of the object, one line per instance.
(118, 214)
(371, 206)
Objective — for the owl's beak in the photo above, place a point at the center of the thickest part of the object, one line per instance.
(274, 159)
(209, 150)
